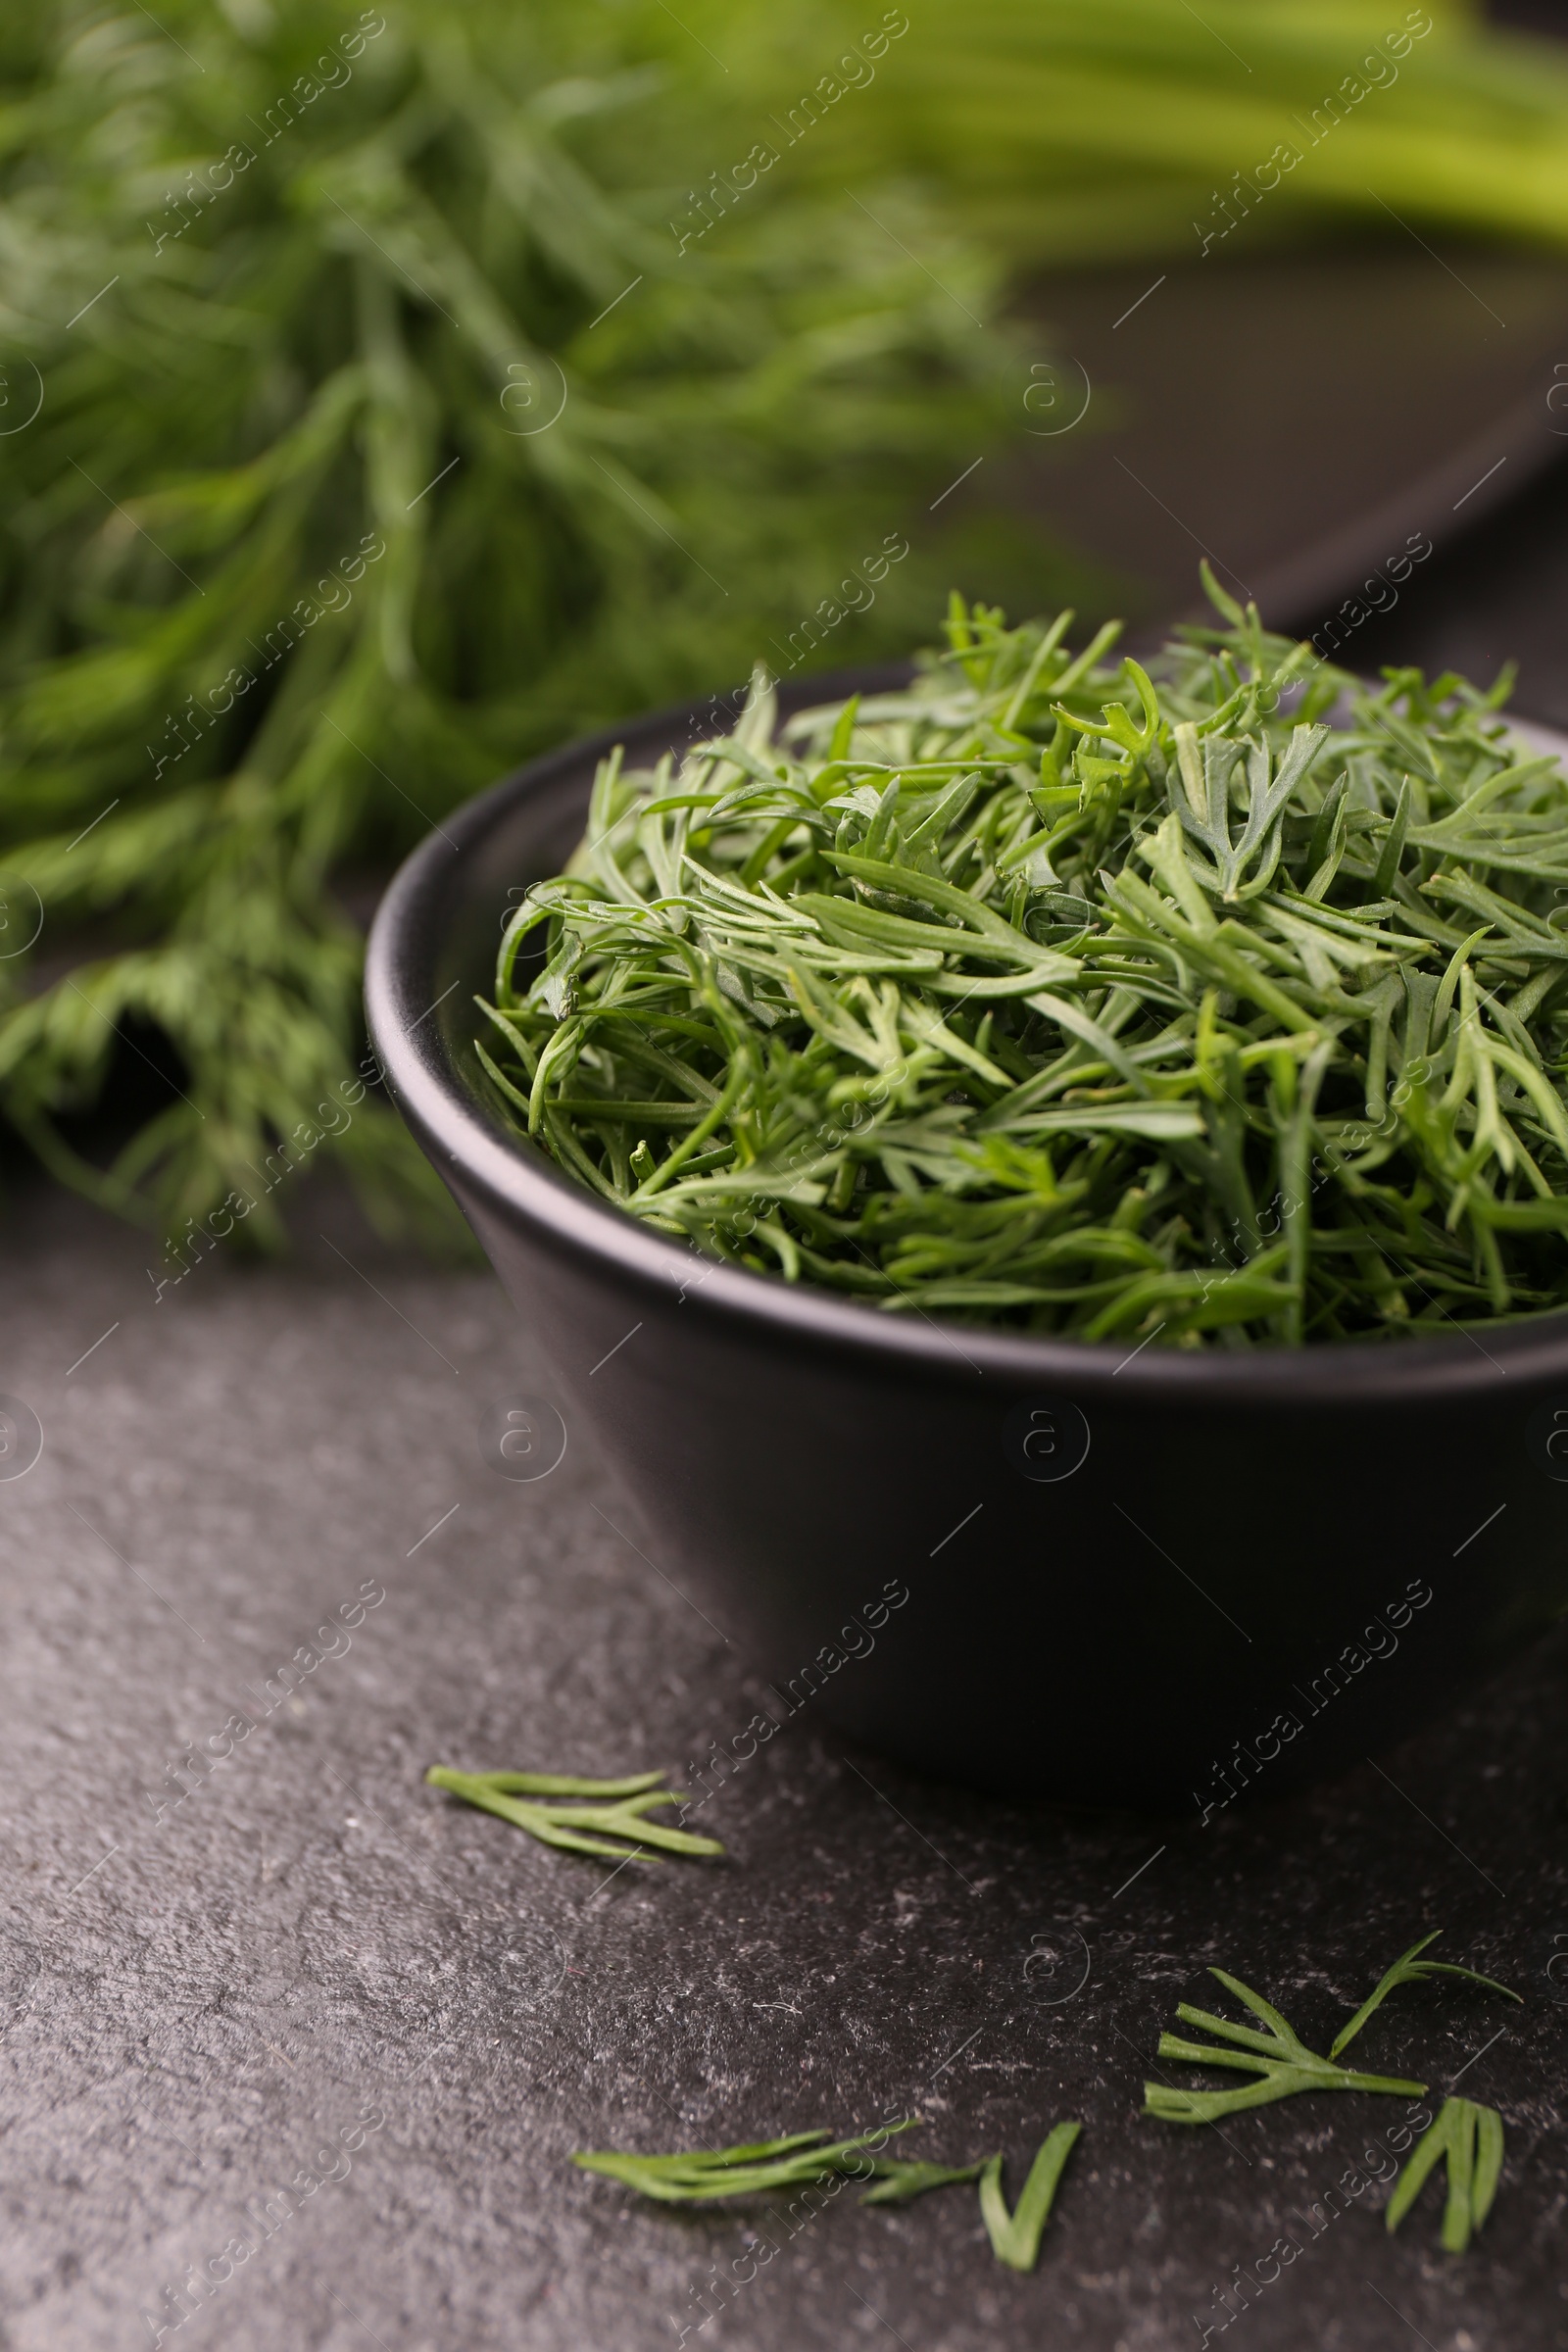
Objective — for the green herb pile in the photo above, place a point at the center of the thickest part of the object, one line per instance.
(386, 435)
(1052, 993)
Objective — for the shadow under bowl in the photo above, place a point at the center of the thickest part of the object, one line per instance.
(1154, 1580)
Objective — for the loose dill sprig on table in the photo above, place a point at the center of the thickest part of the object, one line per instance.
(1409, 1969)
(699, 2175)
(581, 1828)
(1281, 2061)
(1015, 2236)
(1469, 2139)
(1059, 993)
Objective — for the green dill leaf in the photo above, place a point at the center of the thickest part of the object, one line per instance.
(1409, 1969)
(1469, 2139)
(1277, 2056)
(699, 2177)
(1015, 2236)
(618, 1831)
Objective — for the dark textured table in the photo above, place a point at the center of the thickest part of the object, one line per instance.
(301, 2028)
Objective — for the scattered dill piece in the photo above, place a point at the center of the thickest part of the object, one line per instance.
(584, 1828)
(1089, 1000)
(1015, 2236)
(697, 2176)
(902, 2181)
(1282, 2063)
(1469, 2138)
(1409, 1969)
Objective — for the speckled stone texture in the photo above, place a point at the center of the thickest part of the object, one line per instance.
(312, 1965)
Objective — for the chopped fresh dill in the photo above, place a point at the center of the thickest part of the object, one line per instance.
(581, 1828)
(699, 2177)
(1469, 2138)
(1058, 994)
(1282, 2063)
(1015, 2236)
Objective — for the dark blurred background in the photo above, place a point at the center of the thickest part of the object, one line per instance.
(1296, 418)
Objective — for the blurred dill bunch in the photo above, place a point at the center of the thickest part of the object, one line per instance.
(386, 434)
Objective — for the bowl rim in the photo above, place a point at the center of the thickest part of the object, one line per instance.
(515, 1182)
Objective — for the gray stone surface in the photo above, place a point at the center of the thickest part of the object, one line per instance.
(197, 1997)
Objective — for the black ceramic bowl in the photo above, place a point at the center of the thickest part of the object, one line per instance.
(1158, 1578)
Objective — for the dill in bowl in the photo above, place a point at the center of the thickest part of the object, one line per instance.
(1054, 995)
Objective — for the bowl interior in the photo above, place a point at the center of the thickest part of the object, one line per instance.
(433, 948)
